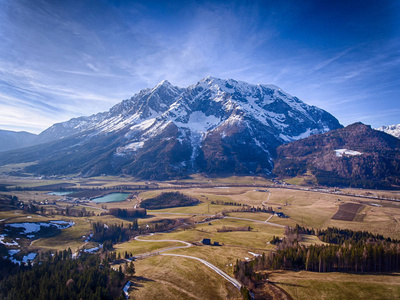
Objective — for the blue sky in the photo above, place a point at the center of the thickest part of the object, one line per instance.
(63, 59)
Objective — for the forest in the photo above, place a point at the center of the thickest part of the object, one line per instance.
(347, 251)
(59, 276)
(167, 200)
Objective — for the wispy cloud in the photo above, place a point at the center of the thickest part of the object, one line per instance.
(63, 59)
(327, 62)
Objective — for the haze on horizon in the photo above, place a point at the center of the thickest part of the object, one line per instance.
(64, 59)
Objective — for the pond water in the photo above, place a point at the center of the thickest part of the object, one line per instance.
(59, 193)
(113, 197)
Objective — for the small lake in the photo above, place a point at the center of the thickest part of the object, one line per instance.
(59, 193)
(113, 197)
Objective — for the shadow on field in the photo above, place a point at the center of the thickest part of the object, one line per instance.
(287, 284)
(137, 283)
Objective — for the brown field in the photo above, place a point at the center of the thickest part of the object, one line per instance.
(164, 278)
(340, 286)
(347, 211)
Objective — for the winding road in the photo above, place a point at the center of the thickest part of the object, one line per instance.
(232, 280)
(187, 245)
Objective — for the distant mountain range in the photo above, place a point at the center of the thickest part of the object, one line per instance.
(391, 129)
(214, 126)
(10, 140)
(356, 155)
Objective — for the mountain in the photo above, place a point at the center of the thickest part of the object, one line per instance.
(10, 140)
(214, 126)
(391, 129)
(356, 155)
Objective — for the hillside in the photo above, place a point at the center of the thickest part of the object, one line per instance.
(355, 156)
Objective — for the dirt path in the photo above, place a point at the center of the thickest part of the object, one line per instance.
(264, 203)
(257, 221)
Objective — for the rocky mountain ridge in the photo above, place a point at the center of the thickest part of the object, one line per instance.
(214, 126)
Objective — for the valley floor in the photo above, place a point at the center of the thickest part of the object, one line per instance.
(173, 273)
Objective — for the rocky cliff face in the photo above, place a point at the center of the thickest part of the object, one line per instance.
(355, 155)
(215, 126)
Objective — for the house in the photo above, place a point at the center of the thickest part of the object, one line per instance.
(206, 242)
(280, 215)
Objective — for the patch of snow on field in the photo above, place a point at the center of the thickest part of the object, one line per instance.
(28, 227)
(88, 238)
(62, 224)
(126, 289)
(13, 251)
(31, 256)
(91, 250)
(14, 243)
(343, 152)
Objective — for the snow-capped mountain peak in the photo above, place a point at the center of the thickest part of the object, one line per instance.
(391, 129)
(215, 126)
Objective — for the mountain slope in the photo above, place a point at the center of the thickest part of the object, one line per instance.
(215, 126)
(10, 140)
(355, 155)
(391, 129)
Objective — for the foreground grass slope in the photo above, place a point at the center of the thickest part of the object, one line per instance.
(340, 286)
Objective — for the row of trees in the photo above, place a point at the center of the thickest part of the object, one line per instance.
(335, 235)
(128, 213)
(231, 203)
(248, 208)
(348, 257)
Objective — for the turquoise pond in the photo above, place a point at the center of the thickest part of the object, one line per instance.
(113, 197)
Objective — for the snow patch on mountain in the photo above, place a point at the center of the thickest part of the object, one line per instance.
(199, 122)
(305, 134)
(344, 152)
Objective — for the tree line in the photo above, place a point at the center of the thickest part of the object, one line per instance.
(128, 213)
(349, 251)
